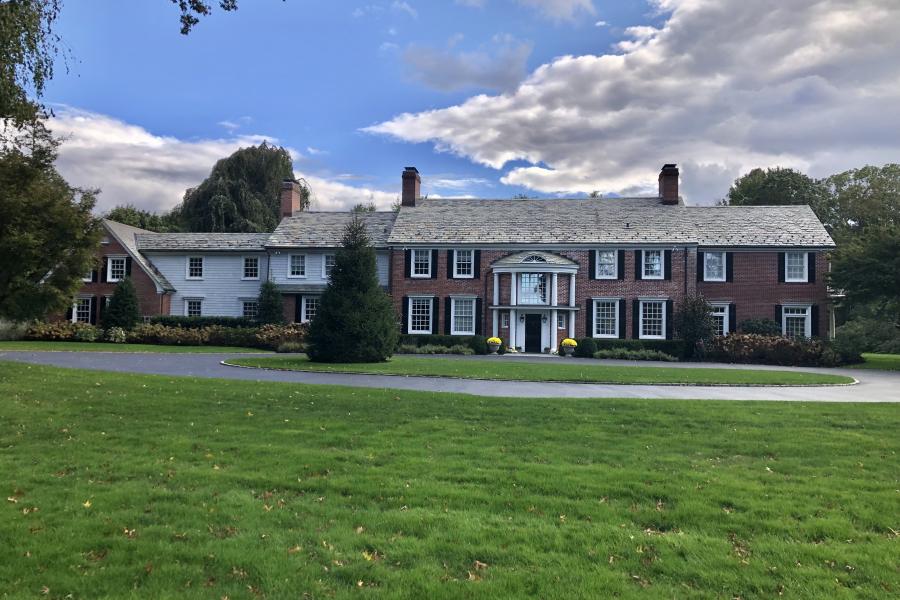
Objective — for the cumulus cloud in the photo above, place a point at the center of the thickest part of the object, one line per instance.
(134, 166)
(560, 10)
(721, 86)
(499, 65)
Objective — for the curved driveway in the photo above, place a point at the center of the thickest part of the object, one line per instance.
(874, 386)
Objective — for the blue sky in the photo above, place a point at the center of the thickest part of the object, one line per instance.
(493, 109)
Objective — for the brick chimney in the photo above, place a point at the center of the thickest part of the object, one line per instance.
(412, 184)
(668, 184)
(291, 198)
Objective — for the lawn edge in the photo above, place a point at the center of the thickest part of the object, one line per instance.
(735, 385)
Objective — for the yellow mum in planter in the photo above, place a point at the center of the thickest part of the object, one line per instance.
(569, 342)
(494, 340)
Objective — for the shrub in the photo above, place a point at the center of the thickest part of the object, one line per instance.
(155, 333)
(86, 333)
(272, 336)
(59, 331)
(12, 330)
(586, 347)
(116, 335)
(200, 322)
(672, 347)
(478, 343)
(760, 327)
(123, 308)
(460, 349)
(867, 335)
(626, 354)
(290, 347)
(271, 306)
(771, 350)
(694, 325)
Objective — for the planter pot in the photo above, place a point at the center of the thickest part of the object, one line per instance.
(568, 350)
(492, 348)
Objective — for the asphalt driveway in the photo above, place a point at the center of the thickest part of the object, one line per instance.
(874, 386)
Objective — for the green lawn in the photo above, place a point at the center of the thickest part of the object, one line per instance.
(159, 487)
(108, 347)
(885, 362)
(550, 370)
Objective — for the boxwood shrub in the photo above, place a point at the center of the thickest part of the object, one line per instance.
(478, 343)
(671, 347)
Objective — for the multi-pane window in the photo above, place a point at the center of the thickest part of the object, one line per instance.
(251, 267)
(607, 264)
(195, 267)
(310, 308)
(653, 319)
(561, 320)
(421, 263)
(463, 316)
(464, 264)
(89, 277)
(653, 264)
(795, 267)
(328, 265)
(420, 315)
(116, 269)
(250, 309)
(504, 320)
(714, 266)
(297, 265)
(606, 318)
(533, 288)
(194, 308)
(81, 312)
(720, 318)
(796, 321)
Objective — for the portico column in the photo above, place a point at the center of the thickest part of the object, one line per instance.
(512, 328)
(495, 314)
(553, 291)
(495, 325)
(572, 289)
(571, 319)
(496, 289)
(512, 289)
(553, 328)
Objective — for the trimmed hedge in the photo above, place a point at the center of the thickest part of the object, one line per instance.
(200, 322)
(671, 347)
(478, 343)
(626, 354)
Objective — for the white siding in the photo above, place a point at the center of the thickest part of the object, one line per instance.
(314, 260)
(222, 290)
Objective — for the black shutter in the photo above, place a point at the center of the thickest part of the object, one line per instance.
(94, 310)
(69, 313)
(620, 257)
(811, 261)
(450, 264)
(778, 316)
(588, 318)
(435, 310)
(434, 264)
(669, 324)
(700, 266)
(448, 314)
(729, 266)
(407, 263)
(298, 308)
(638, 265)
(404, 326)
(781, 267)
(814, 324)
(732, 318)
(478, 316)
(127, 266)
(476, 258)
(667, 264)
(94, 275)
(592, 268)
(635, 318)
(622, 318)
(104, 269)
(101, 308)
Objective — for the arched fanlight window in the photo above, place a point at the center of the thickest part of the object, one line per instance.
(534, 258)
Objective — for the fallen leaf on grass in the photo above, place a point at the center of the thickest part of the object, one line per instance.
(294, 549)
(86, 504)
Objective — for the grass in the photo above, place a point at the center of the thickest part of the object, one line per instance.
(884, 362)
(28, 346)
(551, 370)
(136, 486)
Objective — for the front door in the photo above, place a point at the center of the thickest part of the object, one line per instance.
(533, 333)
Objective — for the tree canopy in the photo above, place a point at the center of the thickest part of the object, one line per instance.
(129, 214)
(774, 186)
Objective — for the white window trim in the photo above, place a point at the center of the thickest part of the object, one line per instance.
(412, 264)
(244, 268)
(88, 278)
(726, 325)
(615, 252)
(187, 268)
(504, 320)
(520, 295)
(324, 262)
(303, 318)
(244, 301)
(187, 301)
(724, 277)
(453, 329)
(109, 262)
(641, 322)
(594, 320)
(409, 315)
(565, 323)
(305, 263)
(75, 302)
(805, 278)
(807, 328)
(662, 264)
(456, 273)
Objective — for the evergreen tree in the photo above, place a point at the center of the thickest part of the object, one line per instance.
(123, 308)
(271, 308)
(694, 325)
(355, 321)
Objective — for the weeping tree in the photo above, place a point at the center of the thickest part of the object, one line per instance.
(241, 194)
(355, 321)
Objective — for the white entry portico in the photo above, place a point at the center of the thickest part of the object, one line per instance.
(534, 279)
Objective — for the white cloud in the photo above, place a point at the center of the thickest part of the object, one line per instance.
(601, 23)
(721, 86)
(134, 166)
(405, 7)
(560, 10)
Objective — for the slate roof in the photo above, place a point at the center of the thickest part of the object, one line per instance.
(211, 242)
(604, 221)
(325, 229)
(127, 236)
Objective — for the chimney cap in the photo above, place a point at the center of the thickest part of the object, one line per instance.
(410, 170)
(670, 167)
